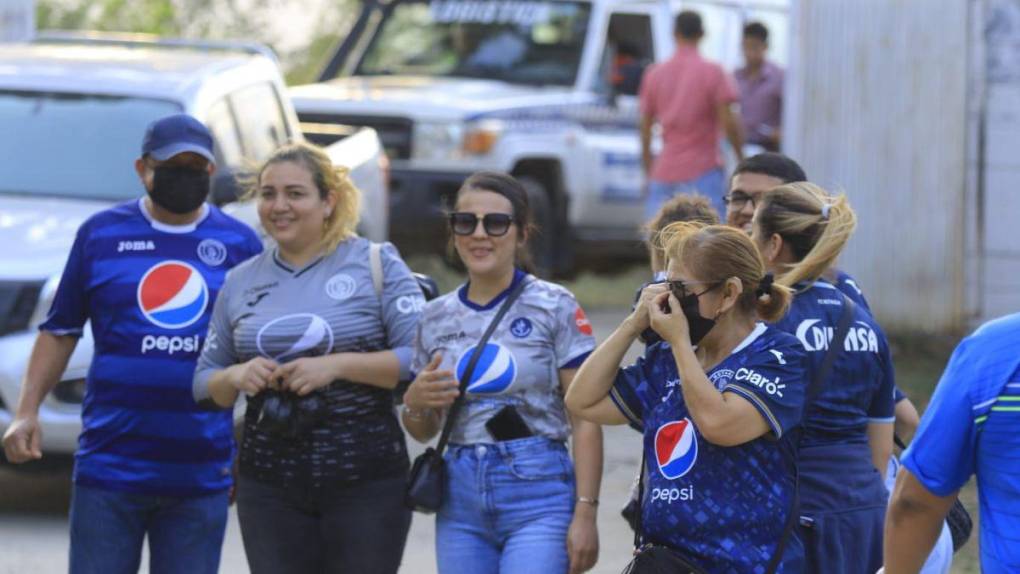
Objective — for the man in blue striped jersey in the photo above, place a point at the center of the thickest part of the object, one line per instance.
(150, 462)
(971, 427)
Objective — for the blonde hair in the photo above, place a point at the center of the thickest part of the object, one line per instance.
(813, 223)
(715, 253)
(683, 207)
(328, 178)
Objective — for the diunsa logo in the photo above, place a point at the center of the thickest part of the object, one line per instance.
(817, 337)
(294, 336)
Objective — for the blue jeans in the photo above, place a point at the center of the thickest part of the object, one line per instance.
(506, 508)
(108, 528)
(709, 184)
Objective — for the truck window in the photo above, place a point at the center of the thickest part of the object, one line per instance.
(261, 120)
(525, 42)
(628, 51)
(220, 120)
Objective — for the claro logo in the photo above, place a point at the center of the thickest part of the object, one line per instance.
(770, 386)
(815, 337)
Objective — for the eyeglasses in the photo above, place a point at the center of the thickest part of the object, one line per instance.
(495, 224)
(738, 200)
(679, 288)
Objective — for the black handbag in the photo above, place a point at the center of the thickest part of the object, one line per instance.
(960, 523)
(425, 484)
(656, 559)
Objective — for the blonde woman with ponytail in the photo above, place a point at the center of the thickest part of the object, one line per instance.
(717, 400)
(848, 428)
(302, 331)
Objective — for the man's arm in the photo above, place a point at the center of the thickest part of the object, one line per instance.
(647, 122)
(730, 122)
(50, 355)
(913, 523)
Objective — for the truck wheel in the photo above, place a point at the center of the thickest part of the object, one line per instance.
(542, 242)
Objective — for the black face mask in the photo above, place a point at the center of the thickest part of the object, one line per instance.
(697, 325)
(179, 190)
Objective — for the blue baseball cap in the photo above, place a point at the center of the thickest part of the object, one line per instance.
(177, 134)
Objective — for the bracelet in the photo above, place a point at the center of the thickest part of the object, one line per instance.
(416, 414)
(592, 501)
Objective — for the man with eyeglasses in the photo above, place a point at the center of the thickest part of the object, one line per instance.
(751, 179)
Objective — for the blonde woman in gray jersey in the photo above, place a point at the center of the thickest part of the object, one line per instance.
(514, 502)
(303, 332)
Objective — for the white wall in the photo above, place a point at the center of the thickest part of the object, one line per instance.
(17, 20)
(876, 107)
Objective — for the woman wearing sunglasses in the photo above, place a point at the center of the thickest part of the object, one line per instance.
(717, 400)
(511, 505)
(848, 428)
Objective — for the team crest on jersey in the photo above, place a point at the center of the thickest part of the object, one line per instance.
(520, 327)
(340, 287)
(172, 295)
(676, 448)
(212, 252)
(494, 373)
(294, 336)
(720, 377)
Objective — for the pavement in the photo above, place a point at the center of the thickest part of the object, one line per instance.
(34, 502)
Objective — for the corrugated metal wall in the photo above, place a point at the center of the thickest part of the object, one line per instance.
(876, 107)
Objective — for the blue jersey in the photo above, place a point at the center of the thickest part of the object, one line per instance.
(848, 285)
(148, 290)
(859, 389)
(972, 426)
(723, 508)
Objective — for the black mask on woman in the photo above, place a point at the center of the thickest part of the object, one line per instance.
(179, 190)
(697, 326)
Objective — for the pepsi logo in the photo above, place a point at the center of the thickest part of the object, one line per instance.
(520, 327)
(676, 448)
(172, 295)
(295, 336)
(495, 371)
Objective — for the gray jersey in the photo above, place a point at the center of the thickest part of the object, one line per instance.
(268, 309)
(544, 331)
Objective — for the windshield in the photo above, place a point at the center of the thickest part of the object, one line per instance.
(74, 145)
(514, 41)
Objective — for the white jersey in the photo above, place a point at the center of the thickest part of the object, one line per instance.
(545, 330)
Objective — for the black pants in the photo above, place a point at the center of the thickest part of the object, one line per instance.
(360, 529)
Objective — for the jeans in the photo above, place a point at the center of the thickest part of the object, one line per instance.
(709, 184)
(506, 508)
(361, 528)
(108, 528)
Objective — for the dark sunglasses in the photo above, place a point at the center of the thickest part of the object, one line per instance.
(495, 224)
(680, 291)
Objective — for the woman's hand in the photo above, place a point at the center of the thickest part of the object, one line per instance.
(672, 326)
(583, 539)
(253, 376)
(639, 317)
(432, 388)
(307, 374)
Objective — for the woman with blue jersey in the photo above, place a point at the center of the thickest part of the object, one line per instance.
(510, 505)
(302, 331)
(717, 400)
(848, 428)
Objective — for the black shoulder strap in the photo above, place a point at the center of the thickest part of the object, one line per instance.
(470, 369)
(813, 390)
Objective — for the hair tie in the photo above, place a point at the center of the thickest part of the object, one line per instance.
(825, 211)
(765, 285)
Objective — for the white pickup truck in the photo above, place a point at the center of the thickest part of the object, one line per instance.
(543, 89)
(74, 110)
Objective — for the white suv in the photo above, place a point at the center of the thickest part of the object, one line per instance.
(74, 110)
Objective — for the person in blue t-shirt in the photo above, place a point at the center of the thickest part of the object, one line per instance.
(971, 427)
(718, 400)
(150, 463)
(847, 429)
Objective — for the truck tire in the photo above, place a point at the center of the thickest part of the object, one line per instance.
(542, 242)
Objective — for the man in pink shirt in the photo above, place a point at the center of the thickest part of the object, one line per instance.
(690, 98)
